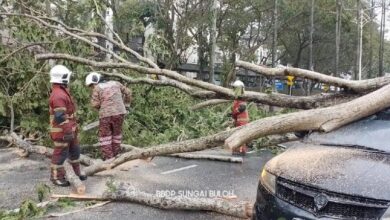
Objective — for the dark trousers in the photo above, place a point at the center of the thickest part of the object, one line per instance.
(62, 151)
(110, 135)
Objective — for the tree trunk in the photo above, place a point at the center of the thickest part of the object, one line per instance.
(311, 36)
(361, 86)
(338, 33)
(126, 193)
(208, 157)
(324, 119)
(221, 92)
(275, 36)
(371, 40)
(78, 187)
(213, 40)
(382, 38)
(208, 103)
(48, 152)
(273, 140)
(197, 144)
(359, 19)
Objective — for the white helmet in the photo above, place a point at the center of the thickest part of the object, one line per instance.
(92, 78)
(60, 74)
(238, 83)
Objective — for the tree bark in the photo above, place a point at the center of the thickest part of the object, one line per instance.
(125, 193)
(338, 34)
(78, 187)
(361, 86)
(273, 140)
(323, 119)
(382, 38)
(208, 157)
(48, 152)
(197, 144)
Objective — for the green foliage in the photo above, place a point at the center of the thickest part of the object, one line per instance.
(43, 191)
(65, 203)
(27, 210)
(111, 188)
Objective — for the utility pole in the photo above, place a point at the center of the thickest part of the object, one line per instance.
(213, 39)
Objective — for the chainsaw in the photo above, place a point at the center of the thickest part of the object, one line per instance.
(96, 123)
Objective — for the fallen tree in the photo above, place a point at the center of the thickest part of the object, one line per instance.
(209, 103)
(197, 144)
(78, 187)
(274, 140)
(48, 152)
(126, 193)
(323, 119)
(208, 157)
(190, 86)
(274, 99)
(361, 86)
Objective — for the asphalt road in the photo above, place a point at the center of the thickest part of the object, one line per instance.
(164, 175)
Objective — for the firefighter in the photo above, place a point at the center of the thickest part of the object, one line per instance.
(112, 99)
(239, 112)
(63, 127)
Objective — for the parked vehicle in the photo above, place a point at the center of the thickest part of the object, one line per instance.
(344, 174)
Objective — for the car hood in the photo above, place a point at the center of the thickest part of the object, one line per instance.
(336, 169)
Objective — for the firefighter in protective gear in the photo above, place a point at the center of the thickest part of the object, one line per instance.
(239, 112)
(63, 127)
(112, 99)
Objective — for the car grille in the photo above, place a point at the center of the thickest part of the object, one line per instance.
(338, 206)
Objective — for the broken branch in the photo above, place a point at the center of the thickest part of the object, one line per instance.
(323, 119)
(360, 86)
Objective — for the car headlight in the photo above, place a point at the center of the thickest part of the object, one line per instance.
(268, 180)
(386, 216)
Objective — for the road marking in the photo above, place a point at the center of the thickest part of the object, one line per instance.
(179, 169)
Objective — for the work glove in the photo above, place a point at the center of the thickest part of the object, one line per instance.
(68, 137)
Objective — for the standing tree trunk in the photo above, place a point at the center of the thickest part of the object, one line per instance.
(338, 33)
(371, 31)
(109, 29)
(213, 35)
(274, 43)
(359, 42)
(275, 36)
(311, 36)
(382, 38)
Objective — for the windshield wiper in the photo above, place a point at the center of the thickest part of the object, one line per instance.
(357, 147)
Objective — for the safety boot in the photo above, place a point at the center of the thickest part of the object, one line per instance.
(83, 177)
(61, 182)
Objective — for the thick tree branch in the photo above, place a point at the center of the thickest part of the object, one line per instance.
(209, 103)
(124, 192)
(361, 86)
(323, 119)
(221, 92)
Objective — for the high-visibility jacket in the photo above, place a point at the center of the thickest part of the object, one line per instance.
(61, 101)
(240, 118)
(110, 98)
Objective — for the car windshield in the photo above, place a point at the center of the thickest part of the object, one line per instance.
(370, 134)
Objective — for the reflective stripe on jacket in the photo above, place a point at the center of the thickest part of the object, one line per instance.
(240, 118)
(110, 98)
(61, 101)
